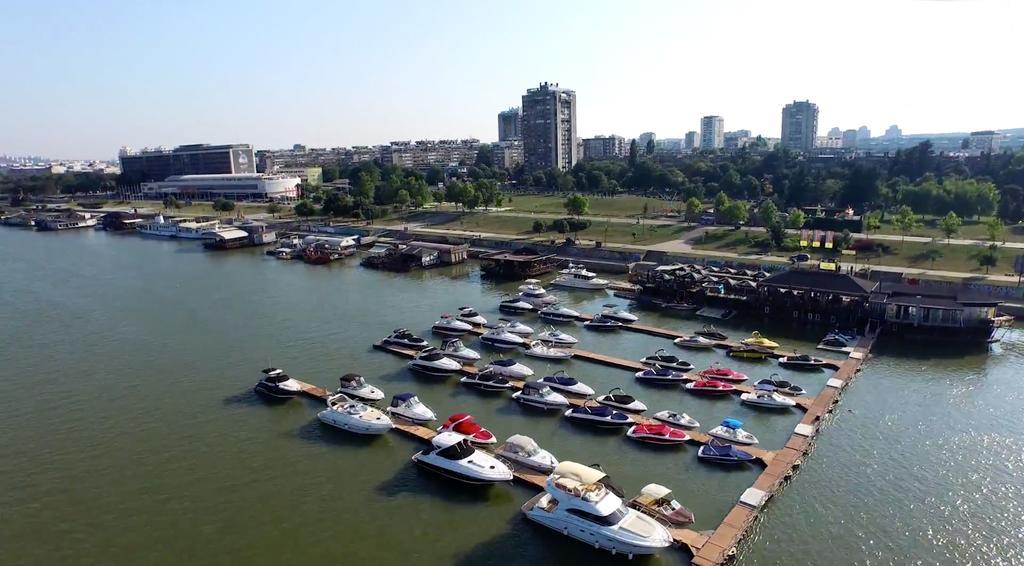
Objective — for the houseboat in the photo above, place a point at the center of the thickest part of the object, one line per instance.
(516, 265)
(121, 221)
(240, 236)
(20, 219)
(947, 314)
(189, 228)
(69, 221)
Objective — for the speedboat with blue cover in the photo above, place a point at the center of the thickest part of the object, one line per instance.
(658, 375)
(732, 430)
(599, 416)
(664, 359)
(410, 408)
(561, 381)
(722, 453)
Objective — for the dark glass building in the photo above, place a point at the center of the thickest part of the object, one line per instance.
(194, 159)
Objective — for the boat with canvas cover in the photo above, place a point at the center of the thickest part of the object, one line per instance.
(711, 333)
(432, 362)
(454, 348)
(539, 350)
(540, 395)
(677, 419)
(405, 339)
(557, 338)
(658, 500)
(765, 396)
(523, 450)
(664, 359)
(348, 414)
(721, 453)
(594, 414)
(466, 425)
(716, 371)
(454, 457)
(508, 367)
(617, 399)
(657, 433)
(410, 408)
(705, 386)
(782, 386)
(561, 381)
(353, 385)
(658, 375)
(487, 380)
(801, 361)
(732, 430)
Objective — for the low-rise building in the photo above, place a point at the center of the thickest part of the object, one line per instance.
(605, 147)
(312, 176)
(508, 154)
(252, 186)
(984, 141)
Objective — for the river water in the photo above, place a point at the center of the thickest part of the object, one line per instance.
(131, 434)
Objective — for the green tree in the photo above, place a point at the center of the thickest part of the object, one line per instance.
(632, 153)
(274, 208)
(796, 219)
(693, 206)
(905, 221)
(329, 172)
(950, 225)
(649, 150)
(735, 212)
(767, 213)
(335, 204)
(576, 204)
(304, 208)
(776, 234)
(435, 176)
(721, 201)
(988, 257)
(403, 199)
(994, 228)
(538, 226)
(872, 221)
(223, 205)
(470, 198)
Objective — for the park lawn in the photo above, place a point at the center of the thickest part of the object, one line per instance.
(620, 206)
(617, 232)
(970, 230)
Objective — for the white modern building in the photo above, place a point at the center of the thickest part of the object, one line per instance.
(712, 132)
(244, 186)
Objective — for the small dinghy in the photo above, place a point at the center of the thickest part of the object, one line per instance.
(801, 361)
(275, 384)
(694, 342)
(353, 385)
(539, 350)
(749, 352)
(657, 375)
(599, 416)
(664, 359)
(615, 312)
(557, 338)
(716, 371)
(706, 386)
(677, 419)
(721, 453)
(524, 451)
(514, 305)
(456, 350)
(486, 380)
(348, 414)
(469, 315)
(657, 434)
(540, 395)
(560, 381)
(621, 401)
(711, 333)
(782, 386)
(599, 322)
(766, 396)
(556, 313)
(657, 500)
(515, 327)
(732, 430)
(410, 408)
(450, 326)
(760, 341)
(405, 339)
(464, 424)
(507, 367)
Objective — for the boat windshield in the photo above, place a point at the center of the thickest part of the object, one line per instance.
(431, 356)
(609, 520)
(545, 391)
(458, 451)
(277, 378)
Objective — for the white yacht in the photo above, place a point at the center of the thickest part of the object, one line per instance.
(410, 408)
(348, 414)
(556, 313)
(531, 292)
(541, 396)
(179, 228)
(515, 327)
(452, 456)
(557, 338)
(579, 502)
(578, 277)
(432, 362)
(539, 350)
(456, 350)
(615, 312)
(501, 338)
(353, 385)
(507, 367)
(470, 315)
(451, 326)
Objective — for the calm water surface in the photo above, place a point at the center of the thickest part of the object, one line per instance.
(131, 435)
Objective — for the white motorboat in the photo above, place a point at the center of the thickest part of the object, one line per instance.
(410, 408)
(450, 326)
(405, 339)
(621, 401)
(514, 305)
(557, 338)
(178, 227)
(540, 395)
(539, 350)
(666, 360)
(453, 456)
(801, 361)
(515, 327)
(598, 415)
(501, 338)
(579, 501)
(486, 379)
(732, 431)
(470, 316)
(348, 414)
(782, 386)
(561, 381)
(531, 292)
(599, 322)
(658, 499)
(508, 367)
(432, 362)
(522, 450)
(454, 348)
(276, 384)
(695, 342)
(766, 396)
(556, 313)
(353, 385)
(658, 375)
(614, 312)
(577, 277)
(678, 419)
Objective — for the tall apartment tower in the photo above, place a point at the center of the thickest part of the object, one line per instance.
(691, 141)
(799, 125)
(712, 132)
(509, 124)
(549, 128)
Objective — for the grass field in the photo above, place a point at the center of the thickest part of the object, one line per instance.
(970, 230)
(958, 258)
(622, 206)
(611, 232)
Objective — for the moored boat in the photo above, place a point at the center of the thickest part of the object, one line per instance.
(466, 425)
(694, 342)
(716, 371)
(705, 386)
(598, 415)
(539, 350)
(657, 500)
(749, 352)
(276, 384)
(563, 382)
(486, 380)
(348, 414)
(801, 361)
(677, 419)
(453, 456)
(409, 407)
(540, 395)
(732, 430)
(557, 338)
(658, 433)
(618, 399)
(354, 385)
(764, 395)
(663, 359)
(721, 453)
(756, 339)
(711, 333)
(658, 375)
(523, 450)
(617, 313)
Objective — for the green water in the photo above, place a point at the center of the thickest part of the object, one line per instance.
(130, 434)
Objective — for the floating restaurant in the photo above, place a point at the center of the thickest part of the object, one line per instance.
(523, 263)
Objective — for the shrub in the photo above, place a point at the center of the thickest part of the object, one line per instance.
(577, 224)
(863, 245)
(538, 226)
(560, 226)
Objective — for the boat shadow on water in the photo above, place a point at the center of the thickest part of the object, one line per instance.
(319, 433)
(249, 398)
(411, 479)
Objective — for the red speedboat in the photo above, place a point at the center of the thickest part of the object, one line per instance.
(718, 372)
(464, 424)
(710, 387)
(657, 433)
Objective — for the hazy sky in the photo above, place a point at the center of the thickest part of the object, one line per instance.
(80, 79)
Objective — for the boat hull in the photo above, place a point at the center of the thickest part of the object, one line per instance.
(353, 425)
(274, 392)
(538, 403)
(453, 474)
(430, 370)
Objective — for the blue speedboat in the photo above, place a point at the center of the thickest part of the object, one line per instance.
(722, 453)
(599, 415)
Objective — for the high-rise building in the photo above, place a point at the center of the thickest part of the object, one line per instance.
(605, 147)
(195, 159)
(736, 140)
(549, 128)
(691, 141)
(642, 139)
(985, 141)
(799, 125)
(712, 132)
(894, 132)
(835, 132)
(863, 134)
(509, 124)
(508, 154)
(849, 139)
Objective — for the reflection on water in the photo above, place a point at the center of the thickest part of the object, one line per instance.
(132, 436)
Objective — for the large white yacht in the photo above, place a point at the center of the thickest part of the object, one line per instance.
(179, 228)
(531, 292)
(580, 502)
(578, 277)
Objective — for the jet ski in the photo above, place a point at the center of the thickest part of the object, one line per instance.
(706, 386)
(405, 339)
(470, 316)
(678, 419)
(450, 326)
(410, 408)
(432, 362)
(721, 453)
(556, 313)
(464, 424)
(508, 367)
(599, 322)
(766, 396)
(801, 361)
(731, 430)
(539, 350)
(614, 312)
(666, 360)
(760, 341)
(657, 434)
(453, 456)
(514, 305)
(539, 394)
(658, 375)
(716, 371)
(694, 342)
(711, 333)
(523, 450)
(486, 379)
(560, 381)
(557, 338)
(354, 385)
(599, 416)
(621, 401)
(454, 348)
(782, 386)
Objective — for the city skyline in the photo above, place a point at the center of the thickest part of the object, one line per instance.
(82, 94)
